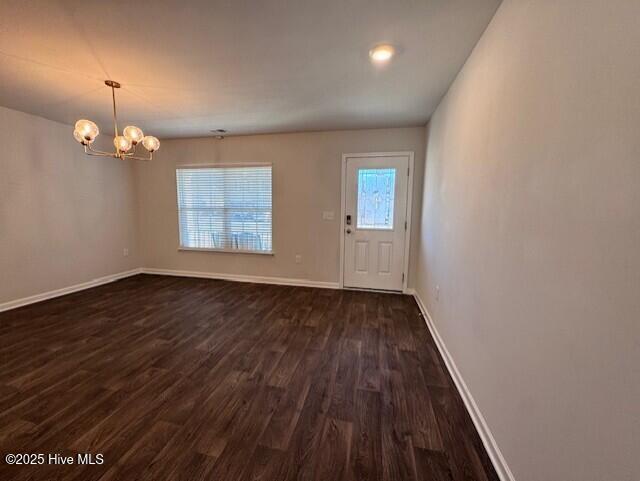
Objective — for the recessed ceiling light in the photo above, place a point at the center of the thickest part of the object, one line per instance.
(381, 53)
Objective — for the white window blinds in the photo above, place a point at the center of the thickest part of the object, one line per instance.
(225, 208)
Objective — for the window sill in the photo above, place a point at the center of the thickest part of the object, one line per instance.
(226, 251)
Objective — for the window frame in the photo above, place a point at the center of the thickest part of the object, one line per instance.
(222, 166)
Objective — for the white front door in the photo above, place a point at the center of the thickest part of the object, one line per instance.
(375, 221)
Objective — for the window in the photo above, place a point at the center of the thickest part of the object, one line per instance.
(376, 196)
(225, 208)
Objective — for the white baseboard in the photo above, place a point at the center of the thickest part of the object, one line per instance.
(66, 290)
(284, 281)
(489, 442)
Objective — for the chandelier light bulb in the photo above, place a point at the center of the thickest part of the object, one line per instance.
(151, 143)
(122, 143)
(133, 133)
(87, 129)
(78, 136)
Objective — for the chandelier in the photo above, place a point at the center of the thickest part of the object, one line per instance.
(86, 132)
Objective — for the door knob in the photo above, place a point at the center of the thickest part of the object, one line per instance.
(348, 231)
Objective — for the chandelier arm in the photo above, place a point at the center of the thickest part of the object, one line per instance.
(89, 151)
(130, 154)
(142, 158)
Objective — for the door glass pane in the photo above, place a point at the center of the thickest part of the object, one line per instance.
(376, 195)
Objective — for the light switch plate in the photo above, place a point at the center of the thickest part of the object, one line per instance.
(328, 215)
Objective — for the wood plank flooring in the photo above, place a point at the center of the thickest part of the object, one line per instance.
(194, 379)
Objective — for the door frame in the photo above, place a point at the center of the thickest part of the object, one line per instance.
(343, 209)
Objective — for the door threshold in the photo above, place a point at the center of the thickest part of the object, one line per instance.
(365, 289)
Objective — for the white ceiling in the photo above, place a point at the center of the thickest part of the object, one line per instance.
(191, 66)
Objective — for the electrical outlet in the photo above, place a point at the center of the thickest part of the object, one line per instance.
(437, 293)
(298, 259)
(125, 252)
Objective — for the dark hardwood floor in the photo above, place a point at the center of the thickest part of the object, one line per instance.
(192, 379)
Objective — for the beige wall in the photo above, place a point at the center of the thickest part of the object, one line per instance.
(65, 218)
(531, 228)
(307, 170)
